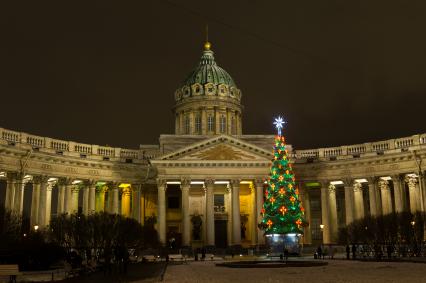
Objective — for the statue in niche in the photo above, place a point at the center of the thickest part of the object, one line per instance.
(197, 221)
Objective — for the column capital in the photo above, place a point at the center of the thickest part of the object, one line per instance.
(331, 188)
(410, 180)
(65, 181)
(161, 182)
(40, 179)
(209, 181)
(259, 182)
(235, 182)
(90, 183)
(372, 179)
(397, 178)
(100, 189)
(324, 183)
(11, 176)
(113, 185)
(384, 184)
(357, 187)
(185, 182)
(75, 189)
(348, 181)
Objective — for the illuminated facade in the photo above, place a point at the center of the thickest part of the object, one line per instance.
(204, 184)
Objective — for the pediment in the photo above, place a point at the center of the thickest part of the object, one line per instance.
(220, 148)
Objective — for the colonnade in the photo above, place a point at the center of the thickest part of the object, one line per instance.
(111, 197)
(233, 210)
(385, 195)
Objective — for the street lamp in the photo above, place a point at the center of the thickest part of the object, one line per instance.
(35, 228)
(413, 223)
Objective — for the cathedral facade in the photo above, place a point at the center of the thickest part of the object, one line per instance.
(204, 184)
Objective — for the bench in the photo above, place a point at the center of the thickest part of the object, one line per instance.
(149, 258)
(208, 256)
(11, 270)
(176, 257)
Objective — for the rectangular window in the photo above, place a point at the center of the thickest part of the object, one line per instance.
(222, 124)
(210, 123)
(198, 124)
(187, 125)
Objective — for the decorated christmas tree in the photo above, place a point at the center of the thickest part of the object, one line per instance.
(282, 212)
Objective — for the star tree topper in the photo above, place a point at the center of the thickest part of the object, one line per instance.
(279, 123)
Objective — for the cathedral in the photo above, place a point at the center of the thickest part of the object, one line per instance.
(204, 184)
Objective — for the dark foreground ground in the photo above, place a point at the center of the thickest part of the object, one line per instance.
(135, 272)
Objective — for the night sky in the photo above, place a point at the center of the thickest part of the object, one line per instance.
(341, 72)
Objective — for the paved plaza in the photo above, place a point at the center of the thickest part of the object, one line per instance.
(336, 271)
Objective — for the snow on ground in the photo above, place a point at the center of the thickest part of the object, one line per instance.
(337, 271)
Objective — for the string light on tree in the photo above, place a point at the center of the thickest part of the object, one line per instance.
(282, 213)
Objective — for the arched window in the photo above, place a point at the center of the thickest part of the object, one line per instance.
(198, 124)
(222, 124)
(210, 123)
(187, 125)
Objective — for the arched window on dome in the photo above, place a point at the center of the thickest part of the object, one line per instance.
(198, 123)
(233, 128)
(210, 123)
(187, 125)
(222, 124)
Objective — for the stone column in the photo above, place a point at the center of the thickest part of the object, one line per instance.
(217, 120)
(358, 201)
(185, 186)
(210, 239)
(161, 206)
(10, 190)
(422, 191)
(259, 205)
(386, 196)
(61, 196)
(92, 196)
(324, 212)
(413, 193)
(20, 183)
(332, 212)
(68, 197)
(236, 215)
(48, 210)
(203, 121)
(126, 202)
(305, 199)
(100, 199)
(86, 197)
(136, 202)
(398, 189)
(74, 196)
(42, 211)
(253, 216)
(113, 197)
(349, 209)
(35, 201)
(228, 205)
(372, 188)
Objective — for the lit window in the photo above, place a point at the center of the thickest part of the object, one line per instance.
(222, 124)
(233, 125)
(187, 125)
(198, 124)
(210, 123)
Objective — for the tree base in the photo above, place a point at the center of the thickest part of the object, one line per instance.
(277, 243)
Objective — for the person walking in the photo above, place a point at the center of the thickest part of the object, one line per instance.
(319, 252)
(353, 251)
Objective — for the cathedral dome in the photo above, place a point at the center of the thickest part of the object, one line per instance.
(208, 102)
(208, 79)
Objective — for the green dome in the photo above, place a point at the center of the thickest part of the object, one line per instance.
(209, 72)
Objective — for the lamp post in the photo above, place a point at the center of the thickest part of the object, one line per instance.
(36, 228)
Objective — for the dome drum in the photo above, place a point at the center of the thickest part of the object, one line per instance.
(209, 89)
